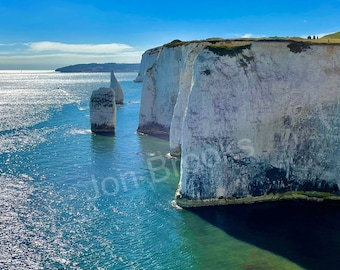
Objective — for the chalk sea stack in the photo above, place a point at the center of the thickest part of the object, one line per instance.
(103, 111)
(119, 95)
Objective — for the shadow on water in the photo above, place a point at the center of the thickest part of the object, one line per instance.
(102, 144)
(306, 233)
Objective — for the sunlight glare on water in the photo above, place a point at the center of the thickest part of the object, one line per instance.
(73, 200)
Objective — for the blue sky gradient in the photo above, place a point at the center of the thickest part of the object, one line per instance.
(48, 34)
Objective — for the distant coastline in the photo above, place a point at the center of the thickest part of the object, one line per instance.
(94, 67)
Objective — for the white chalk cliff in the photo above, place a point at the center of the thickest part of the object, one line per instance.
(168, 75)
(148, 59)
(252, 120)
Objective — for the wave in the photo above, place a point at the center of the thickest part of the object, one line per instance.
(80, 108)
(80, 131)
(134, 102)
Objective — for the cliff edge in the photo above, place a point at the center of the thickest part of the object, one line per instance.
(252, 120)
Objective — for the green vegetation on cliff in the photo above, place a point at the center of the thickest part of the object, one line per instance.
(298, 46)
(233, 47)
(332, 36)
(227, 49)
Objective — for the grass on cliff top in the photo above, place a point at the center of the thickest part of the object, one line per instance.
(229, 44)
(332, 36)
(176, 43)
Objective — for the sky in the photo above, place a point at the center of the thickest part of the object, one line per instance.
(43, 34)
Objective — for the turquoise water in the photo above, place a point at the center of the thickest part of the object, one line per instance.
(72, 200)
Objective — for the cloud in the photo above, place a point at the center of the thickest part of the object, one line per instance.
(8, 44)
(51, 55)
(247, 36)
(48, 46)
(52, 61)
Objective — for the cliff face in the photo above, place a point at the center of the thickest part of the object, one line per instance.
(251, 120)
(167, 74)
(148, 59)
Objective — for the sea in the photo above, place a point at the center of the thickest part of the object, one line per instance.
(70, 199)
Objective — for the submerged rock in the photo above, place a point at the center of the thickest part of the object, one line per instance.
(119, 95)
(103, 111)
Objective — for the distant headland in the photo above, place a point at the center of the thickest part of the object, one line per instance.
(94, 67)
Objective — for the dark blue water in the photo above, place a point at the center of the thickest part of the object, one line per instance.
(73, 200)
